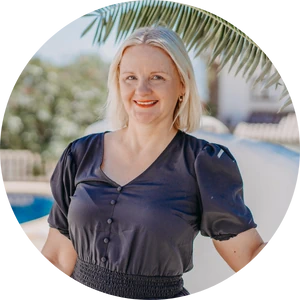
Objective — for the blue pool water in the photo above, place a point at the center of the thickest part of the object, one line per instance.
(27, 207)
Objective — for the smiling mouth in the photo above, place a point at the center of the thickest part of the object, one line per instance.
(145, 103)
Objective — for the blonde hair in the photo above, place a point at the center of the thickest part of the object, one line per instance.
(187, 112)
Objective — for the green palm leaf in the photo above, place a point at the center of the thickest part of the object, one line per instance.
(225, 41)
(197, 35)
(287, 102)
(227, 53)
(250, 60)
(238, 52)
(89, 27)
(110, 23)
(248, 47)
(273, 80)
(266, 69)
(284, 94)
(166, 12)
(155, 15)
(200, 30)
(189, 31)
(257, 58)
(210, 36)
(184, 21)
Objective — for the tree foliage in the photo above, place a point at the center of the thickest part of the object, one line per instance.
(52, 105)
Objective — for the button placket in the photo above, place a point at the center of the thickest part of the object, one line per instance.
(109, 221)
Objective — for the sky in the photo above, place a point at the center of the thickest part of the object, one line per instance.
(66, 45)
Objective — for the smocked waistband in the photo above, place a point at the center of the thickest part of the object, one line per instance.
(126, 285)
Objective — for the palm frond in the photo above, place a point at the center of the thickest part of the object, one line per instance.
(284, 94)
(256, 60)
(198, 33)
(89, 27)
(200, 30)
(222, 44)
(230, 49)
(189, 31)
(285, 104)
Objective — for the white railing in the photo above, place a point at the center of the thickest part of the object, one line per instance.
(285, 132)
(20, 165)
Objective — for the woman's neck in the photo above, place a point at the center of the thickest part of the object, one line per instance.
(138, 138)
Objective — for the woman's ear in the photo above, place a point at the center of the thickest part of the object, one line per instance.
(182, 90)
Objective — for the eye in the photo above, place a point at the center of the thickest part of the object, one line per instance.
(131, 77)
(158, 77)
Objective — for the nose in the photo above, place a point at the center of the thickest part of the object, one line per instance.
(143, 88)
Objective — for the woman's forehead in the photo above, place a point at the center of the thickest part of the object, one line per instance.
(146, 56)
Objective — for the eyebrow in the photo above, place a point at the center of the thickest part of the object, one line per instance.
(154, 72)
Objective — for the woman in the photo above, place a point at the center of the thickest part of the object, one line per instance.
(130, 202)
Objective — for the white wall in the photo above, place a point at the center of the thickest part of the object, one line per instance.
(237, 98)
(199, 66)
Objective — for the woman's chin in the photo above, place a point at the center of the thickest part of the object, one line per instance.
(146, 118)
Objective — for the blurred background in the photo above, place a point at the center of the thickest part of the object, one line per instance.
(59, 97)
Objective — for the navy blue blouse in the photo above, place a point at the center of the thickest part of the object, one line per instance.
(147, 226)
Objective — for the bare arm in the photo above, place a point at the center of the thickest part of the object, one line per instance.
(59, 250)
(240, 250)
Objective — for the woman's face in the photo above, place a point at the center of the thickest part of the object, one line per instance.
(149, 84)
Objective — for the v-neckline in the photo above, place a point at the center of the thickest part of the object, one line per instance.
(143, 172)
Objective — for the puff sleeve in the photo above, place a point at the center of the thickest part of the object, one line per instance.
(62, 186)
(224, 213)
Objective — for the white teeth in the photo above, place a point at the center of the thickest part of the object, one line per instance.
(145, 103)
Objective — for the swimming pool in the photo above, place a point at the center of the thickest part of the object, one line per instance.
(28, 207)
